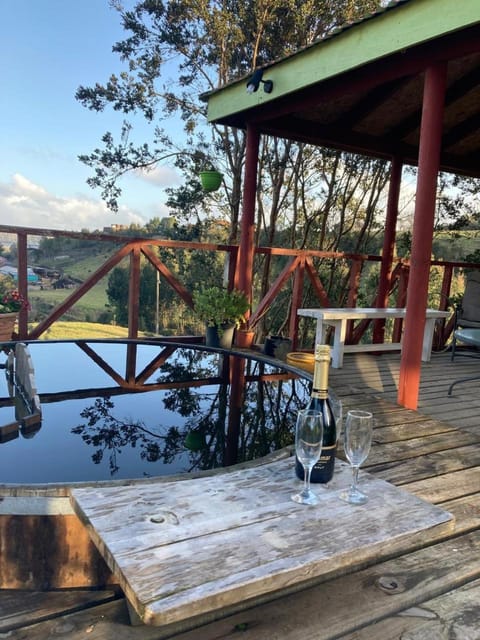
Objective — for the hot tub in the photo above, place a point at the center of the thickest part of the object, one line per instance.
(126, 412)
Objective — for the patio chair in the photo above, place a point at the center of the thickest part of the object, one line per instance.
(467, 316)
(472, 338)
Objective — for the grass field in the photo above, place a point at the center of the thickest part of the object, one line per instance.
(87, 309)
(79, 266)
(80, 330)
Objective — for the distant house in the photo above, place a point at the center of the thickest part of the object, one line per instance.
(8, 270)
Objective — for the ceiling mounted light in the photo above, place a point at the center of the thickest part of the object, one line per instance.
(255, 80)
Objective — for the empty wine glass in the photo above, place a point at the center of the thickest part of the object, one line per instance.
(308, 446)
(357, 441)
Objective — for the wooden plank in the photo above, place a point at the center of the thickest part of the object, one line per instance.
(103, 622)
(353, 601)
(466, 511)
(416, 447)
(453, 615)
(409, 430)
(433, 464)
(41, 552)
(446, 487)
(9, 431)
(22, 608)
(242, 537)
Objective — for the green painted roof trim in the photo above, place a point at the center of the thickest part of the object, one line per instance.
(400, 28)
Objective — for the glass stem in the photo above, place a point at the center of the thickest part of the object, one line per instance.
(355, 470)
(307, 471)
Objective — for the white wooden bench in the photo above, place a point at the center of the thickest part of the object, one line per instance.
(338, 318)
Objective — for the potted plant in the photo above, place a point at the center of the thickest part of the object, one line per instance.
(211, 179)
(244, 336)
(222, 311)
(11, 302)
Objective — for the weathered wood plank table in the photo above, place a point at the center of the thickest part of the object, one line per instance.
(338, 318)
(186, 550)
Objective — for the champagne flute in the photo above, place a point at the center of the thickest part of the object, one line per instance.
(308, 446)
(358, 438)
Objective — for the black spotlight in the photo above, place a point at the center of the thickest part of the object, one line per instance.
(255, 80)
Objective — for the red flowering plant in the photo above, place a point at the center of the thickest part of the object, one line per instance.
(12, 302)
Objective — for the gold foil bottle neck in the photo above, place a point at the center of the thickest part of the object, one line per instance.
(320, 374)
(322, 351)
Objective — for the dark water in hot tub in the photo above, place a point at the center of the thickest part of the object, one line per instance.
(118, 411)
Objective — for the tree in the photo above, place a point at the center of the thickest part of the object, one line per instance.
(215, 42)
(321, 196)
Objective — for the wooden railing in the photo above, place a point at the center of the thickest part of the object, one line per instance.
(298, 269)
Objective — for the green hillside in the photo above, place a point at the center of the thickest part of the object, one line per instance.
(80, 330)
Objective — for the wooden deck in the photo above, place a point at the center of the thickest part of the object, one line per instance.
(378, 375)
(430, 592)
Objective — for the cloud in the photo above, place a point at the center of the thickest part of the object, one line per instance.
(160, 176)
(24, 203)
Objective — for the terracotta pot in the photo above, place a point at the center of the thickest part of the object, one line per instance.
(7, 325)
(244, 339)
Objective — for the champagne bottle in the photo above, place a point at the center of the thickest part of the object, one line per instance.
(320, 401)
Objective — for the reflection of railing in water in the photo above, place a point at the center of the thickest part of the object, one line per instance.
(229, 426)
(23, 395)
(208, 408)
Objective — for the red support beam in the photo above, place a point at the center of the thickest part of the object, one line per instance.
(297, 295)
(246, 251)
(134, 292)
(428, 166)
(388, 245)
(22, 279)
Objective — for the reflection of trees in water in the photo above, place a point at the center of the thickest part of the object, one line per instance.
(107, 433)
(224, 419)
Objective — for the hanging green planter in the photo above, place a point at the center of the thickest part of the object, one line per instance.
(211, 180)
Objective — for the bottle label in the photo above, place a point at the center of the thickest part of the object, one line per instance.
(323, 469)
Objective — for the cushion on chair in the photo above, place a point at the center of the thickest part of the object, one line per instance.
(470, 312)
(468, 336)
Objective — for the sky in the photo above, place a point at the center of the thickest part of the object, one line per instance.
(48, 48)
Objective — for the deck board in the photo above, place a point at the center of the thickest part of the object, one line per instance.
(22, 608)
(451, 615)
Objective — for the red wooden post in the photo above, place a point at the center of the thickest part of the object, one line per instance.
(296, 301)
(440, 336)
(428, 165)
(446, 286)
(133, 310)
(354, 283)
(388, 245)
(401, 301)
(22, 280)
(246, 252)
(236, 369)
(134, 292)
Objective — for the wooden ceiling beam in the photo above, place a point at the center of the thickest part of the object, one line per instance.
(372, 100)
(335, 137)
(461, 131)
(332, 138)
(455, 92)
